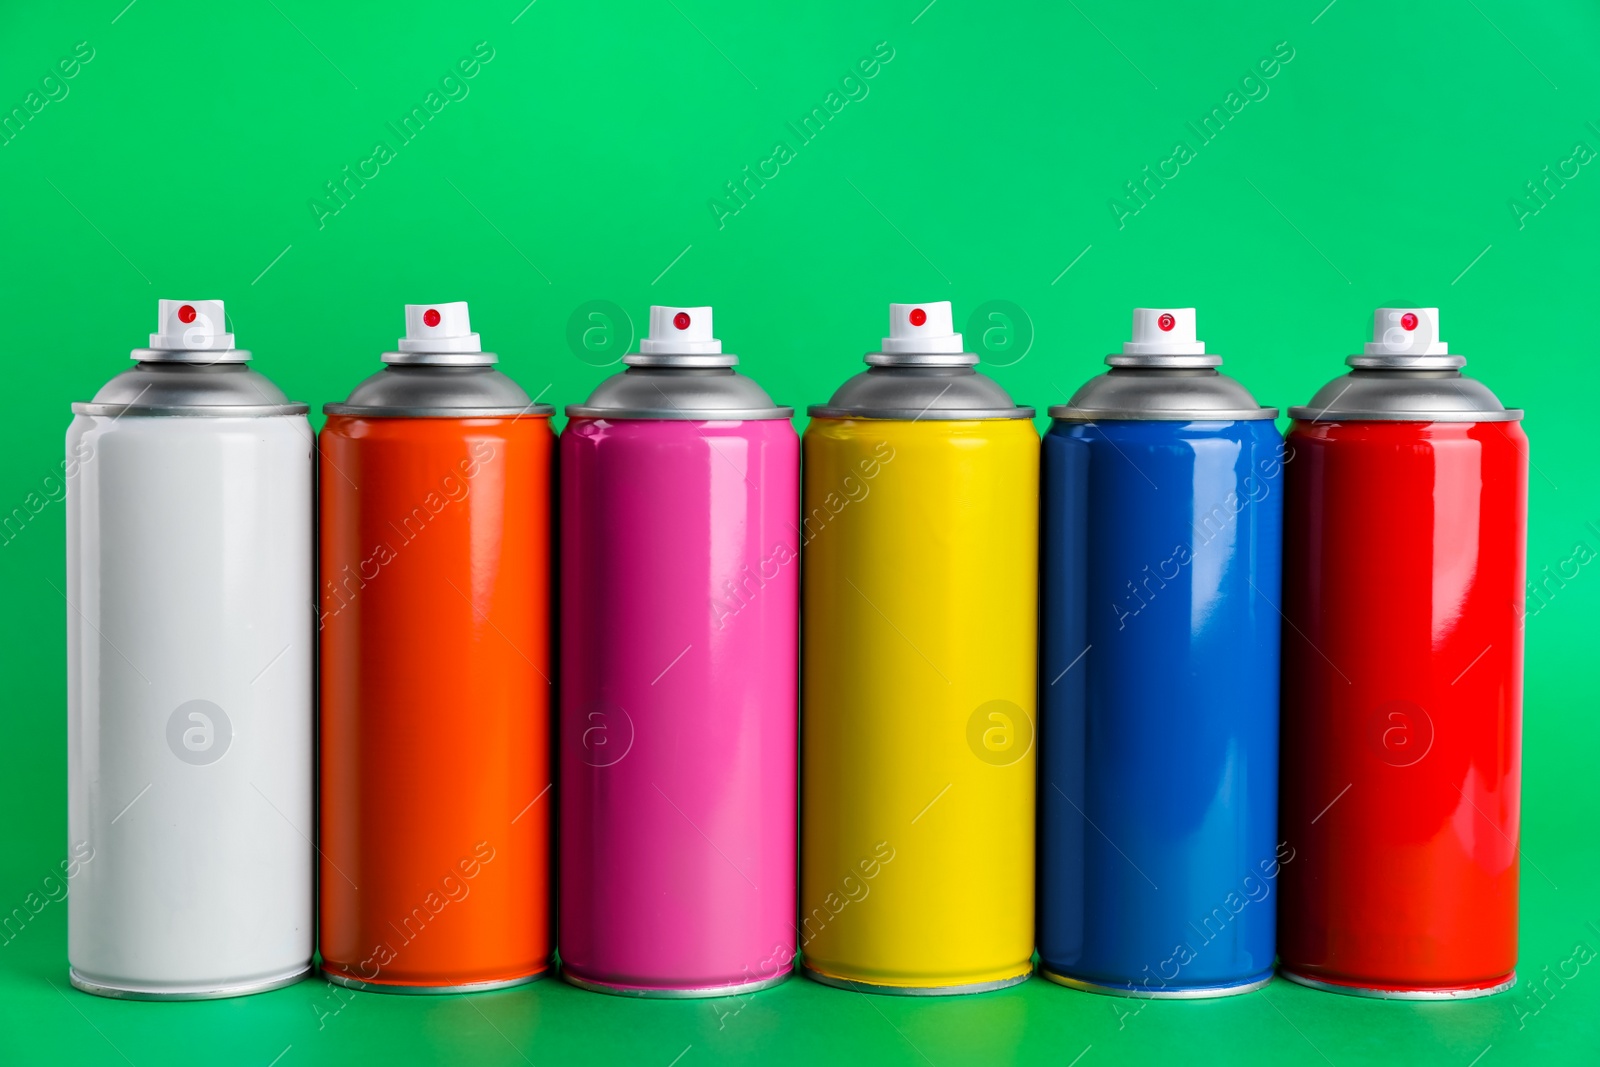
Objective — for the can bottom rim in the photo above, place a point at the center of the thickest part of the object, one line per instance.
(131, 992)
(1462, 992)
(1231, 989)
(399, 989)
(659, 993)
(917, 991)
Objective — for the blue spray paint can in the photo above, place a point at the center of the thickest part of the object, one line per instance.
(1162, 530)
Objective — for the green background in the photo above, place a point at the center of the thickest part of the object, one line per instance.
(1381, 167)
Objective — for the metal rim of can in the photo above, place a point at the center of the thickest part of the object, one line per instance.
(1306, 413)
(1379, 993)
(188, 355)
(440, 359)
(246, 411)
(916, 991)
(920, 359)
(1068, 413)
(1405, 362)
(102, 989)
(1250, 985)
(682, 360)
(381, 412)
(828, 411)
(585, 411)
(1159, 362)
(396, 989)
(655, 993)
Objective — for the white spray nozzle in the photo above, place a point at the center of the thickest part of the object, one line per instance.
(1163, 332)
(915, 328)
(439, 328)
(1406, 332)
(680, 332)
(191, 325)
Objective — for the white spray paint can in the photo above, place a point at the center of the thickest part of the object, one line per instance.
(189, 672)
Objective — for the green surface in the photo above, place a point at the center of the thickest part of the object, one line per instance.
(1382, 165)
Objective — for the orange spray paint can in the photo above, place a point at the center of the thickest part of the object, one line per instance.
(435, 639)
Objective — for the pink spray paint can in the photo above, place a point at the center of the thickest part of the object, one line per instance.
(680, 566)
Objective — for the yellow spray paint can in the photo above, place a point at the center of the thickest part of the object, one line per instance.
(919, 673)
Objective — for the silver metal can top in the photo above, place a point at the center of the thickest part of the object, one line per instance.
(680, 372)
(921, 374)
(1163, 375)
(1405, 374)
(429, 391)
(439, 371)
(190, 369)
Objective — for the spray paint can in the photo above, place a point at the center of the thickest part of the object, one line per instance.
(1163, 511)
(1405, 540)
(679, 594)
(435, 618)
(921, 568)
(189, 673)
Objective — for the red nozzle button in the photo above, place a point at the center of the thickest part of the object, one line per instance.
(681, 320)
(1166, 322)
(918, 316)
(1408, 321)
(186, 313)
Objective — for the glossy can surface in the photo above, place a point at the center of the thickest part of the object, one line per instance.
(679, 661)
(436, 777)
(921, 566)
(189, 696)
(1402, 705)
(1159, 682)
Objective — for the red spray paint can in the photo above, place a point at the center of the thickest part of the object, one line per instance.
(1405, 532)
